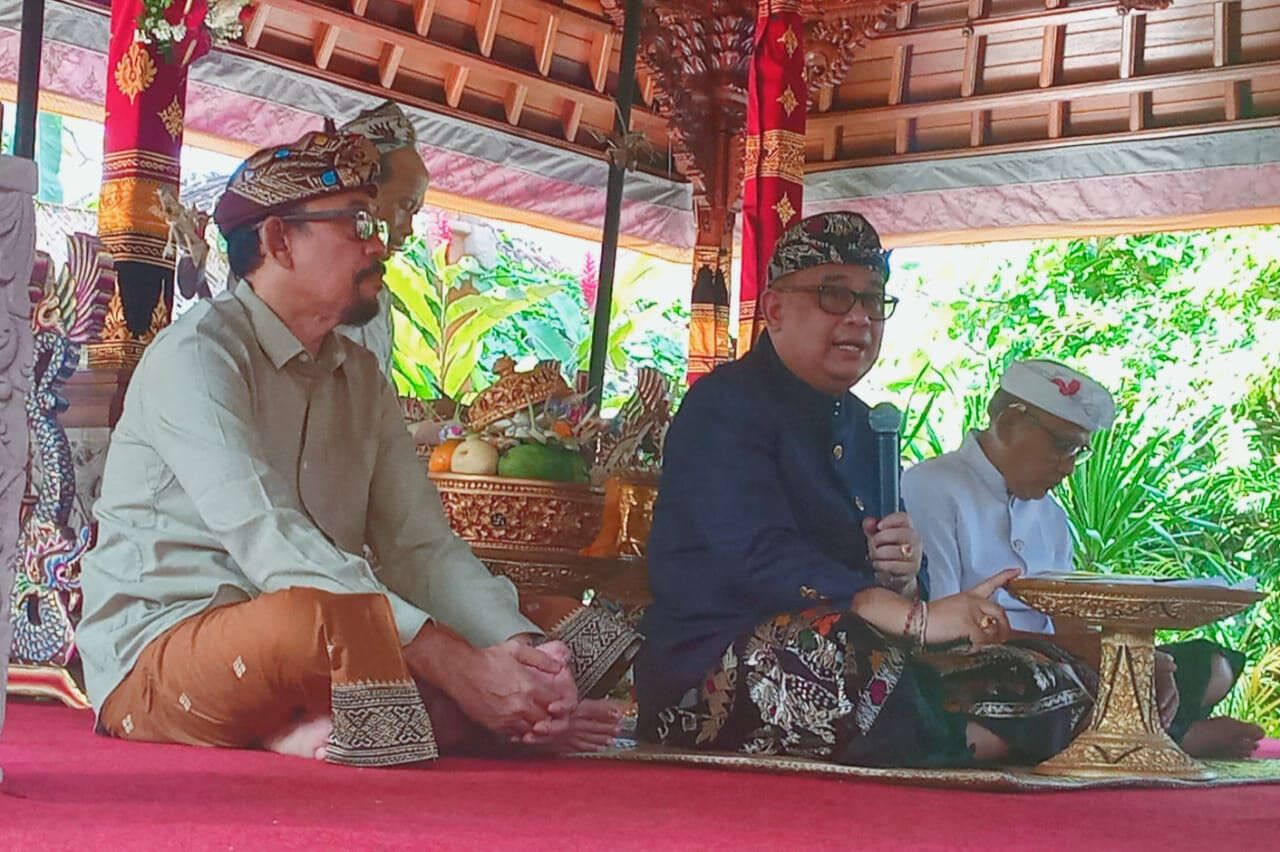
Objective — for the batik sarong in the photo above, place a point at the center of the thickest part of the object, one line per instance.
(235, 675)
(825, 684)
(603, 644)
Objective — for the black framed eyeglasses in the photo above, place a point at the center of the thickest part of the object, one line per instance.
(1063, 448)
(366, 225)
(838, 301)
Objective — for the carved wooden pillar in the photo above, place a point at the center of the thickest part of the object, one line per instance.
(696, 54)
(17, 254)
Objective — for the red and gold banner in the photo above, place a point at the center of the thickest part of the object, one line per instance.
(773, 160)
(145, 101)
(709, 313)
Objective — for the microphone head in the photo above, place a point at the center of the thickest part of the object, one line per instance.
(885, 417)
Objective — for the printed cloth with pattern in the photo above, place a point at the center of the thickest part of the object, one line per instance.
(824, 684)
(238, 674)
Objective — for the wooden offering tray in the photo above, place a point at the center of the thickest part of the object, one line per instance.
(623, 579)
(502, 513)
(1124, 735)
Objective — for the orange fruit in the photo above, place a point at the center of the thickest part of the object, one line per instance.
(441, 460)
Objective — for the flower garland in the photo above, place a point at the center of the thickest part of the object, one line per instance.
(188, 28)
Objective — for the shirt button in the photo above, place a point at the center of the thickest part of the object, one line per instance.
(857, 501)
(838, 452)
(305, 358)
(1017, 545)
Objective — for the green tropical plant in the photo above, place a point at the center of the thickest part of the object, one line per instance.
(442, 315)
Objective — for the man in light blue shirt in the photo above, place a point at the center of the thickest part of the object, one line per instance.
(987, 506)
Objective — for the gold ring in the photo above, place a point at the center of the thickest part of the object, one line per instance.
(987, 623)
(906, 550)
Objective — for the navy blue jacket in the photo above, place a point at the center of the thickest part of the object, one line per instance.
(764, 484)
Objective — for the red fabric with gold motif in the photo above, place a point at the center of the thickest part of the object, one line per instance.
(146, 97)
(773, 159)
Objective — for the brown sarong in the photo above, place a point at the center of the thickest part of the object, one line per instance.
(237, 674)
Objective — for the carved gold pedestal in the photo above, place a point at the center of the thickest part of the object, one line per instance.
(1124, 733)
(1124, 736)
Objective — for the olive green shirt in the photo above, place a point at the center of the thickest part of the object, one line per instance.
(243, 465)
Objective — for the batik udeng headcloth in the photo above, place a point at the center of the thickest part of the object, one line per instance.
(283, 176)
(841, 238)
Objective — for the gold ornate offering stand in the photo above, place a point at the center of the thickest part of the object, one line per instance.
(1124, 736)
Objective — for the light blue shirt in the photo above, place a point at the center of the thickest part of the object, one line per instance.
(972, 528)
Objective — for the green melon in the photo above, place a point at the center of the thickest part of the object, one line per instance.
(543, 461)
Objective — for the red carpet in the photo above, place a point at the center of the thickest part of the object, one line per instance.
(66, 788)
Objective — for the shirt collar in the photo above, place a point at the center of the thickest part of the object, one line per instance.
(275, 338)
(798, 393)
(972, 454)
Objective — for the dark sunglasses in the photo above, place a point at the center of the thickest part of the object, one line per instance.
(837, 300)
(366, 225)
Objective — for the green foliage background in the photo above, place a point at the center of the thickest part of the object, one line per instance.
(1184, 328)
(453, 321)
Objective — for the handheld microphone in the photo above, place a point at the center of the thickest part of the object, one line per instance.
(885, 420)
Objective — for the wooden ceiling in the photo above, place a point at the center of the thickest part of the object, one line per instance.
(542, 69)
(970, 76)
(945, 78)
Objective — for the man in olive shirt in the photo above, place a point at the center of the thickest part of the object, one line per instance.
(257, 455)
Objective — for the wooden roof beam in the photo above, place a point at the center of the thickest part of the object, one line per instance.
(1037, 96)
(544, 49)
(1133, 30)
(571, 119)
(904, 135)
(514, 103)
(449, 54)
(598, 62)
(997, 24)
(253, 32)
(1226, 31)
(831, 141)
(322, 48)
(455, 83)
(1057, 119)
(1006, 100)
(389, 64)
(423, 10)
(487, 24)
(906, 13)
(899, 75)
(645, 85)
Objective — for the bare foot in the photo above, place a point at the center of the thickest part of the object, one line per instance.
(307, 738)
(1221, 736)
(986, 746)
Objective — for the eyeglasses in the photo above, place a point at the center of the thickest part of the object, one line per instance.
(1063, 448)
(365, 223)
(838, 301)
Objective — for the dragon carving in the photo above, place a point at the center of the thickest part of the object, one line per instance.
(69, 310)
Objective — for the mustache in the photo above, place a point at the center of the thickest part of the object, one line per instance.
(377, 268)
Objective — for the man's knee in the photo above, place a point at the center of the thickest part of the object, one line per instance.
(1221, 678)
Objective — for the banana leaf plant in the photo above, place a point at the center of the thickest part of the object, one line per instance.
(441, 314)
